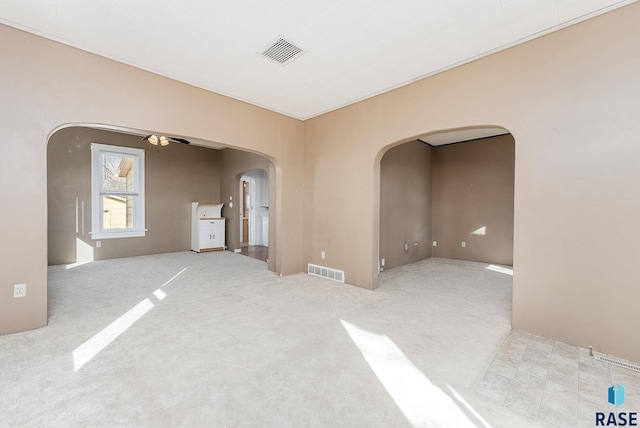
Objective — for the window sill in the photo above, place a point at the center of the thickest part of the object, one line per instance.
(119, 234)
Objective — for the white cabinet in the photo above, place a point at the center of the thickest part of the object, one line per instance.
(207, 227)
(210, 234)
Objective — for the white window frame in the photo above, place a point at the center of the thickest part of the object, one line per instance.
(97, 192)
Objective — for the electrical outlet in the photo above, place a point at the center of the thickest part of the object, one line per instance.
(464, 244)
(322, 255)
(406, 246)
(382, 262)
(98, 244)
(435, 244)
(19, 290)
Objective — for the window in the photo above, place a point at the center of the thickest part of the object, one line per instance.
(117, 192)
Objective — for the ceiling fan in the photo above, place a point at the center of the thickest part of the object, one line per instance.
(162, 140)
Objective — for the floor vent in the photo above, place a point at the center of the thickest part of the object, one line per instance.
(617, 362)
(282, 51)
(325, 272)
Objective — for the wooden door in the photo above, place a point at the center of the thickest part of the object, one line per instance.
(245, 211)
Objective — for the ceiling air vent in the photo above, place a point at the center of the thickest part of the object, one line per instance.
(282, 51)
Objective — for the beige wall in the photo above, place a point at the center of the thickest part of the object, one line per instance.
(473, 200)
(45, 85)
(234, 164)
(570, 99)
(175, 176)
(405, 204)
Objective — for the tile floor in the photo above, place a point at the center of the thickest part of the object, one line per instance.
(557, 384)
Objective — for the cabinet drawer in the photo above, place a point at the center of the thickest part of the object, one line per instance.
(212, 222)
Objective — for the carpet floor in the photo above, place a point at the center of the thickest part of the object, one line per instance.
(216, 340)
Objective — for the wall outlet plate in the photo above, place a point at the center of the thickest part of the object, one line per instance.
(19, 290)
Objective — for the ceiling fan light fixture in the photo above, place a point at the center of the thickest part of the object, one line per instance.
(153, 139)
(163, 140)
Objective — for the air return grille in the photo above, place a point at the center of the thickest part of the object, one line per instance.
(282, 51)
(617, 362)
(325, 272)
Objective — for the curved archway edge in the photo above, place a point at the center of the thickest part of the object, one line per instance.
(239, 159)
(440, 137)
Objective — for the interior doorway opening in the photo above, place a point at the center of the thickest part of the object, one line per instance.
(448, 195)
(176, 175)
(254, 214)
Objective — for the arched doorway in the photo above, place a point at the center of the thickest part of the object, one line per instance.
(448, 194)
(176, 176)
(254, 214)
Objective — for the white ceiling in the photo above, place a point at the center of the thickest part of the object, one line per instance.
(354, 48)
(462, 135)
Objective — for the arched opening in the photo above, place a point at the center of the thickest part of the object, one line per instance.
(253, 186)
(448, 195)
(175, 176)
